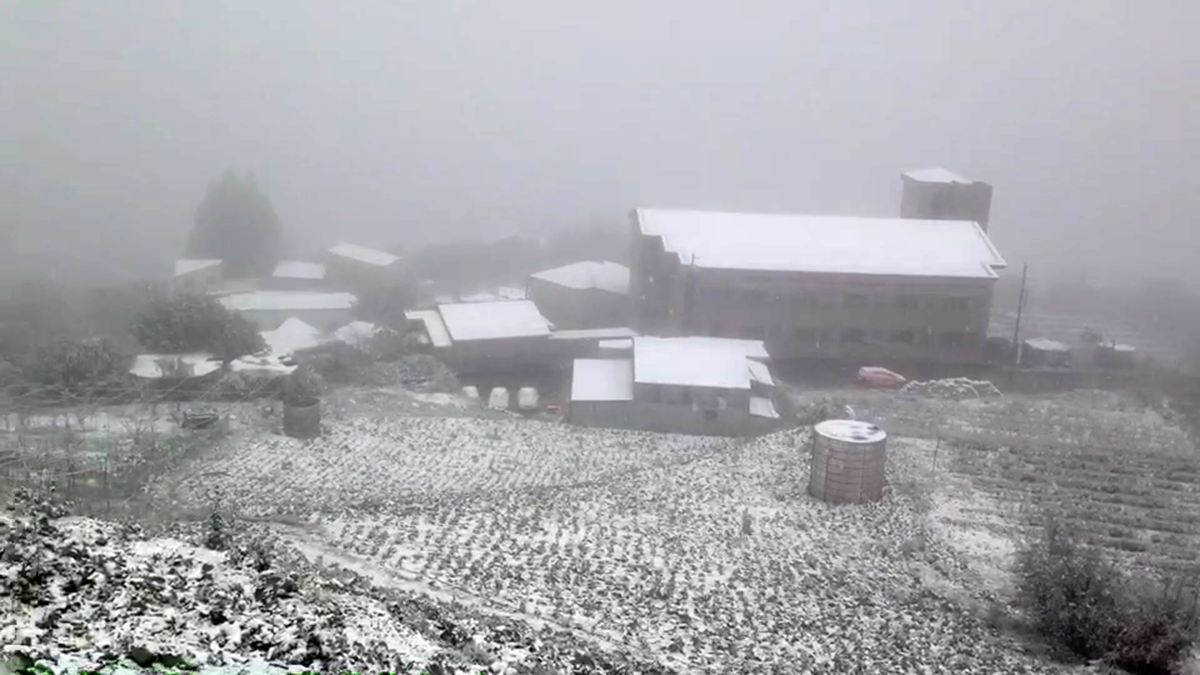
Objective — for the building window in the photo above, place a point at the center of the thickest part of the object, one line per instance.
(907, 302)
(854, 300)
(958, 304)
(755, 296)
(853, 336)
(953, 339)
(710, 415)
(901, 337)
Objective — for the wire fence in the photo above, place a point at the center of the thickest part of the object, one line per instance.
(99, 447)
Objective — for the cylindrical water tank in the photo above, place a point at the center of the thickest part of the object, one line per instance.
(848, 460)
(498, 399)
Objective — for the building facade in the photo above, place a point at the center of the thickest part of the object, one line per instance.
(853, 288)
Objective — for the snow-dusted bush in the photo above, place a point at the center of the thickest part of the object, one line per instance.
(1080, 600)
(70, 366)
(191, 323)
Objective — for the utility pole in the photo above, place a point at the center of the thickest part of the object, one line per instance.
(1017, 329)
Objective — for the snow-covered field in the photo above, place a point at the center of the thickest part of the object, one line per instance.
(702, 553)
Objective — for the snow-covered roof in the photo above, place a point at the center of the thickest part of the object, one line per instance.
(762, 407)
(1047, 345)
(602, 380)
(298, 269)
(287, 300)
(438, 335)
(154, 366)
(936, 174)
(356, 332)
(187, 266)
(624, 343)
(600, 274)
(593, 334)
(494, 320)
(850, 431)
(824, 244)
(760, 373)
(753, 349)
(363, 254)
(690, 363)
(292, 335)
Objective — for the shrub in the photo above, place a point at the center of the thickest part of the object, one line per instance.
(301, 387)
(71, 365)
(191, 323)
(1080, 600)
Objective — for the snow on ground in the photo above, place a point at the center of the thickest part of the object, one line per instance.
(703, 551)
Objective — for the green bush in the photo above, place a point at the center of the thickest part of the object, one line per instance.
(73, 365)
(1081, 601)
(193, 323)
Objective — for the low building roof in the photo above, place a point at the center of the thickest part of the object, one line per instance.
(690, 362)
(763, 407)
(293, 335)
(287, 300)
(363, 254)
(494, 320)
(154, 366)
(593, 334)
(760, 373)
(187, 265)
(824, 244)
(298, 269)
(1047, 345)
(602, 380)
(621, 344)
(936, 174)
(598, 274)
(438, 335)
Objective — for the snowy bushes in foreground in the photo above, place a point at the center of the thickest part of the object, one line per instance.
(1082, 602)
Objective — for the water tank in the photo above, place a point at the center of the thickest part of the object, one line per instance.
(848, 460)
(498, 399)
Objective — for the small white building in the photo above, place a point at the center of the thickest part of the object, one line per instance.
(586, 294)
(361, 267)
(298, 275)
(196, 276)
(488, 336)
(689, 385)
(269, 309)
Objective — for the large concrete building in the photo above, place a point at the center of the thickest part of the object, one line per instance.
(899, 289)
(940, 194)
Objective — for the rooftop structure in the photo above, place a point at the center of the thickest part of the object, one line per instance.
(823, 244)
(936, 174)
(604, 334)
(296, 269)
(493, 320)
(601, 275)
(363, 254)
(691, 363)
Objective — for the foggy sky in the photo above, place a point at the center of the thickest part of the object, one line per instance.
(414, 121)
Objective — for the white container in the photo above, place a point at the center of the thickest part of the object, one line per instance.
(471, 392)
(527, 398)
(849, 459)
(498, 399)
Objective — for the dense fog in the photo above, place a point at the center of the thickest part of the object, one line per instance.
(406, 123)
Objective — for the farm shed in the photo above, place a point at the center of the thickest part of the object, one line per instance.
(1043, 353)
(496, 336)
(435, 329)
(360, 267)
(196, 276)
(297, 275)
(678, 385)
(602, 393)
(269, 309)
(586, 294)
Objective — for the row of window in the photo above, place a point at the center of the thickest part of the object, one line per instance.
(760, 297)
(825, 337)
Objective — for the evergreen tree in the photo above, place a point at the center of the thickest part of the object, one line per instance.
(237, 224)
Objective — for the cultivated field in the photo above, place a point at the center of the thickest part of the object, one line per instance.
(702, 553)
